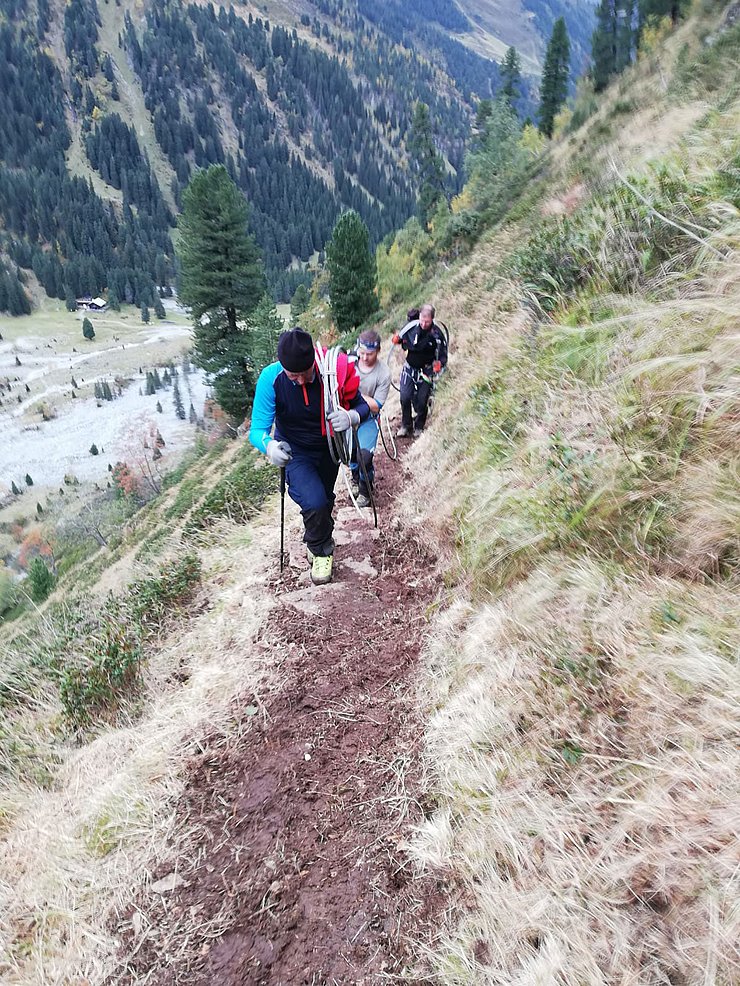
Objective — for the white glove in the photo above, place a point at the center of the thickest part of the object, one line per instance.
(279, 453)
(342, 420)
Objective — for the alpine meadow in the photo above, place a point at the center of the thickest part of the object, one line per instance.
(369, 492)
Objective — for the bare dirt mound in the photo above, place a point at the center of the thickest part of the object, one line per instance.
(290, 872)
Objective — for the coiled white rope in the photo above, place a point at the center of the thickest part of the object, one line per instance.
(341, 444)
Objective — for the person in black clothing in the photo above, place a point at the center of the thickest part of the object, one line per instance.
(426, 353)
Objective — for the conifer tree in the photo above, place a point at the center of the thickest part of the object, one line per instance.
(554, 86)
(613, 41)
(40, 578)
(428, 163)
(299, 302)
(29, 481)
(511, 77)
(265, 325)
(177, 401)
(626, 35)
(352, 272)
(87, 329)
(221, 281)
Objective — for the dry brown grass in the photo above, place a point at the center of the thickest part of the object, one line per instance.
(582, 688)
(74, 854)
(584, 750)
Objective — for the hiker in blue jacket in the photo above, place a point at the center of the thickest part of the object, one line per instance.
(290, 397)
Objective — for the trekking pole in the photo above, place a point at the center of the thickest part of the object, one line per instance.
(282, 517)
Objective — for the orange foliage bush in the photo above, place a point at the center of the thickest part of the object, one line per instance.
(124, 480)
(35, 546)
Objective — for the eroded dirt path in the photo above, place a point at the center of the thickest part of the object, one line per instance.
(291, 872)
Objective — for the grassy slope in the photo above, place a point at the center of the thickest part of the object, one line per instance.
(497, 29)
(579, 694)
(582, 686)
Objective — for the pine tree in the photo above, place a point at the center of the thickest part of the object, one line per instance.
(511, 77)
(40, 579)
(428, 163)
(177, 401)
(352, 272)
(265, 326)
(29, 481)
(145, 314)
(555, 74)
(221, 281)
(87, 329)
(299, 302)
(604, 44)
(626, 34)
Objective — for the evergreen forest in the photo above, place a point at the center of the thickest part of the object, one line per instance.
(309, 119)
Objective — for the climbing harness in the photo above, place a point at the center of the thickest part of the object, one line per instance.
(343, 443)
(392, 357)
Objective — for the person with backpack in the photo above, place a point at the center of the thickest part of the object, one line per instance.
(375, 384)
(290, 397)
(425, 346)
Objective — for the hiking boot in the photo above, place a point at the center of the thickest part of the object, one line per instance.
(321, 569)
(363, 500)
(403, 432)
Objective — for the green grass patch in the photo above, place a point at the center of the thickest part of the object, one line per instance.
(93, 653)
(238, 496)
(191, 490)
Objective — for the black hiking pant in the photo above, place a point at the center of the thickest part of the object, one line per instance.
(416, 389)
(311, 475)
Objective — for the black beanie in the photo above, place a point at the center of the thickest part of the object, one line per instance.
(295, 350)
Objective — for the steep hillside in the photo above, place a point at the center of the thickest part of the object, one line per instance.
(502, 746)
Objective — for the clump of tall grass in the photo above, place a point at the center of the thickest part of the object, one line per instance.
(586, 769)
(238, 495)
(92, 653)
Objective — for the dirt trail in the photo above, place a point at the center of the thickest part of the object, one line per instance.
(289, 861)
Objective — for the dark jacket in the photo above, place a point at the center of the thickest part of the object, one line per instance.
(423, 346)
(296, 410)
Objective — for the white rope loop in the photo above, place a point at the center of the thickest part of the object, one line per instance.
(340, 443)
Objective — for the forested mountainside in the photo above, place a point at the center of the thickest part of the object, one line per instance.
(106, 110)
